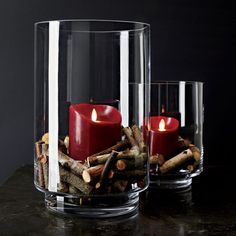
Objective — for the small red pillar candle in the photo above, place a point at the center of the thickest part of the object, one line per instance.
(163, 135)
(92, 128)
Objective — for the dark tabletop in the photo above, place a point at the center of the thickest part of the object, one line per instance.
(209, 208)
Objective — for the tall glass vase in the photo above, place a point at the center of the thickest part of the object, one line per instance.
(91, 106)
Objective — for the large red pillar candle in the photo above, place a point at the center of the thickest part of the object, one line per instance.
(163, 135)
(92, 128)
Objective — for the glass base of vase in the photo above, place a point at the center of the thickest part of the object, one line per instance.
(171, 181)
(93, 207)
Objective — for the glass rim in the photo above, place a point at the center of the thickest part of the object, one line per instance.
(175, 82)
(142, 26)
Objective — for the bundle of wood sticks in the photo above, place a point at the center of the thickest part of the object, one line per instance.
(119, 168)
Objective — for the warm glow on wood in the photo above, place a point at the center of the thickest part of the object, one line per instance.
(94, 115)
(162, 125)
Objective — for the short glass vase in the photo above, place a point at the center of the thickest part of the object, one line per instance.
(176, 133)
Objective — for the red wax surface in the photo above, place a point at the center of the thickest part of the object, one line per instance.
(87, 137)
(163, 142)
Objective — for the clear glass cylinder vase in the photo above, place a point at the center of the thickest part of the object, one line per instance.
(92, 82)
(176, 133)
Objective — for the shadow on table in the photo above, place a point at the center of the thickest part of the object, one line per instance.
(155, 201)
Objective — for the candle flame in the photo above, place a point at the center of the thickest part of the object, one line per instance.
(94, 115)
(162, 125)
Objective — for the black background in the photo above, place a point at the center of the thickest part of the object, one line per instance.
(191, 40)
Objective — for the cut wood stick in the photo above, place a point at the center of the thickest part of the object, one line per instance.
(45, 175)
(65, 161)
(108, 166)
(117, 147)
(138, 136)
(196, 156)
(73, 189)
(176, 161)
(38, 149)
(66, 143)
(129, 164)
(196, 152)
(75, 166)
(63, 187)
(40, 174)
(101, 159)
(129, 174)
(128, 154)
(86, 164)
(157, 159)
(104, 178)
(129, 134)
(135, 150)
(136, 163)
(45, 138)
(44, 163)
(44, 148)
(96, 160)
(70, 178)
(61, 144)
(92, 172)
